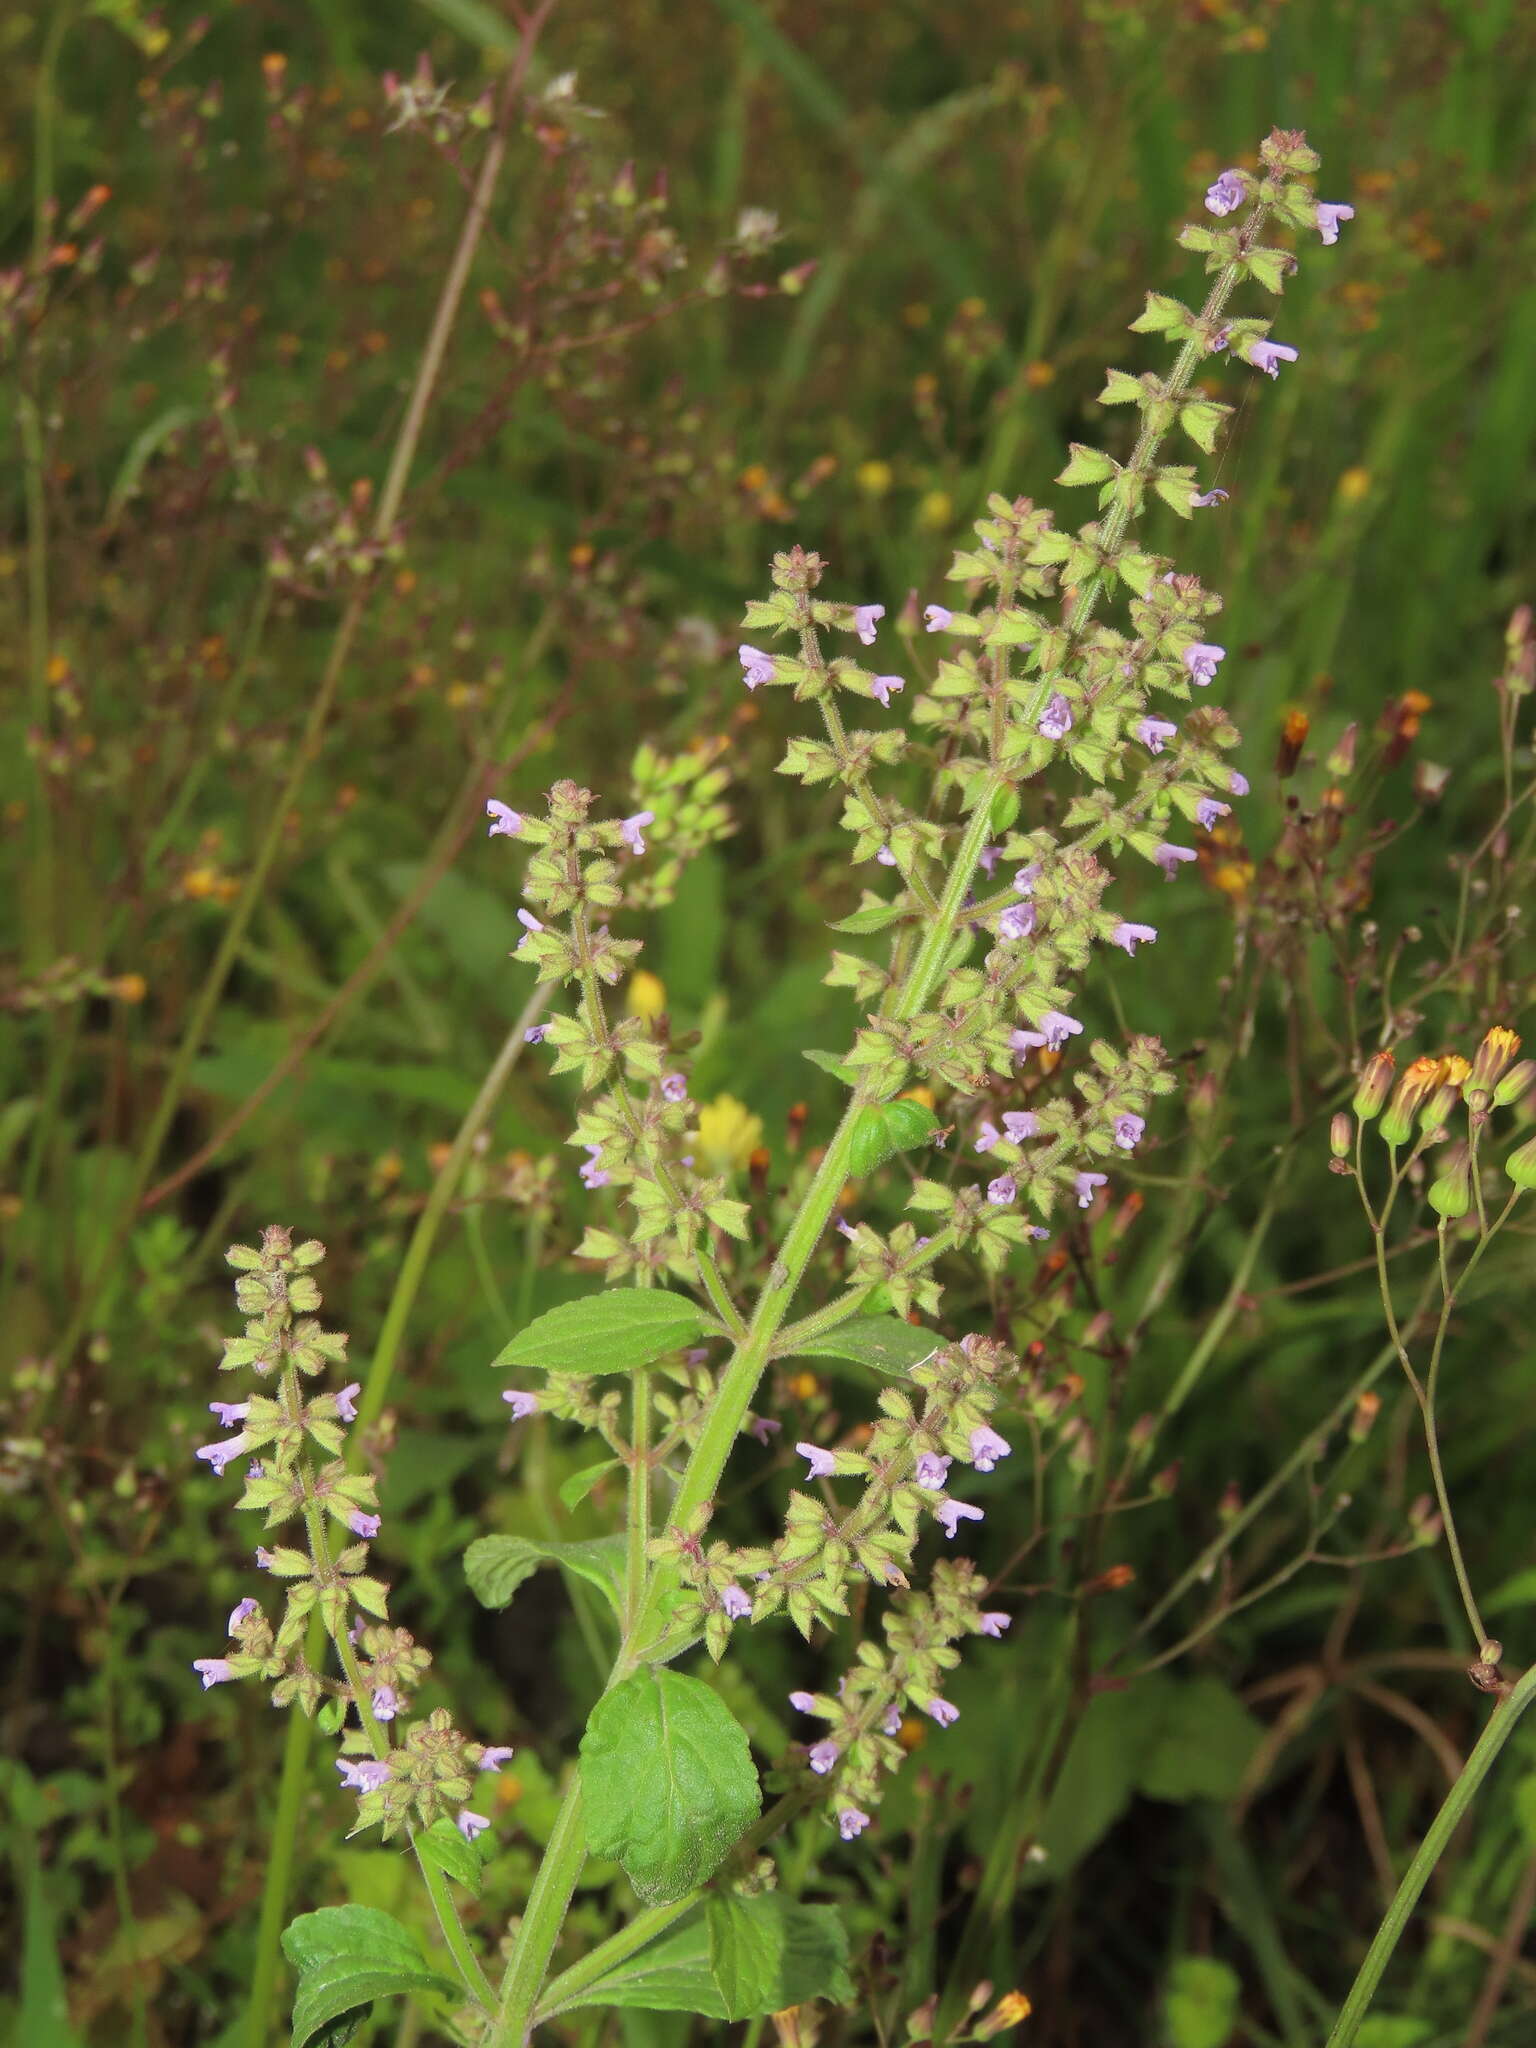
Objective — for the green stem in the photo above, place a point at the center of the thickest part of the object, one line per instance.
(638, 1513)
(548, 1903)
(564, 1990)
(1431, 1849)
(278, 1879)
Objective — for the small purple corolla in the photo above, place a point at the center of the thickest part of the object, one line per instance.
(366, 1526)
(866, 619)
(1056, 718)
(1129, 936)
(987, 1447)
(1269, 355)
(821, 1463)
(1058, 1028)
(220, 1455)
(756, 667)
(1128, 1130)
(1202, 661)
(931, 1471)
(1169, 857)
(1152, 732)
(1017, 922)
(213, 1670)
(470, 1824)
(994, 1622)
(630, 830)
(987, 1136)
(803, 1702)
(386, 1703)
(522, 1404)
(1208, 810)
(1226, 195)
(346, 1400)
(851, 1822)
(1328, 219)
(229, 1412)
(504, 820)
(1202, 500)
(1237, 782)
(1020, 1125)
(363, 1774)
(1002, 1191)
(1086, 1184)
(951, 1513)
(238, 1613)
(942, 1712)
(674, 1087)
(737, 1604)
(821, 1756)
(492, 1758)
(885, 687)
(936, 617)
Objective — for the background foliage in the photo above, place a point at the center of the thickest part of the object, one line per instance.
(205, 370)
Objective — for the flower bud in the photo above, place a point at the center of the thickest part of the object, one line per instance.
(1517, 1082)
(1450, 1192)
(1341, 1133)
(1413, 1091)
(1293, 737)
(1448, 1086)
(1521, 1165)
(1374, 1086)
(1494, 1057)
(1341, 759)
(1361, 1423)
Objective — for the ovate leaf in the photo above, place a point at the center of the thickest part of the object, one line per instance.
(444, 1847)
(732, 1959)
(496, 1566)
(667, 1780)
(890, 1127)
(346, 1957)
(884, 1343)
(612, 1332)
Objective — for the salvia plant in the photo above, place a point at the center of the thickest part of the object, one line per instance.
(1059, 759)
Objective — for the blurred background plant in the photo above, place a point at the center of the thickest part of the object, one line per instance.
(400, 408)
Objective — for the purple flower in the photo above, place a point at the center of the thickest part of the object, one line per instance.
(470, 1824)
(1202, 499)
(1130, 936)
(1168, 857)
(1226, 195)
(891, 1725)
(1207, 811)
(674, 1087)
(756, 667)
(764, 1428)
(822, 1756)
(803, 1702)
(987, 1447)
(363, 1525)
(1003, 1190)
(528, 922)
(951, 1513)
(1058, 1028)
(822, 1463)
(238, 1614)
(1153, 731)
(936, 617)
(736, 1603)
(346, 1401)
(1237, 782)
(631, 829)
(1056, 718)
(219, 1455)
(522, 1404)
(492, 1758)
(363, 1774)
(263, 1559)
(851, 1822)
(847, 1229)
(1269, 355)
(931, 1471)
(1017, 921)
(593, 1173)
(993, 1623)
(229, 1413)
(386, 1703)
(213, 1670)
(1085, 1183)
(505, 821)
(942, 1712)
(1020, 1125)
(1022, 1041)
(1128, 1130)
(886, 858)
(885, 687)
(987, 1136)
(987, 859)
(1024, 881)
(1328, 218)
(866, 618)
(534, 1035)
(1202, 660)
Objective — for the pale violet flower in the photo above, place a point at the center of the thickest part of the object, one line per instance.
(220, 1455)
(1024, 881)
(993, 1623)
(1168, 857)
(1085, 1184)
(866, 618)
(803, 1702)
(951, 1513)
(1056, 718)
(470, 1824)
(1003, 1190)
(386, 1703)
(1269, 355)
(1328, 219)
(1226, 195)
(674, 1087)
(987, 1136)
(1237, 782)
(631, 829)
(822, 1464)
(886, 858)
(1202, 660)
(213, 1670)
(936, 617)
(821, 1756)
(1129, 936)
(492, 1758)
(1020, 1124)
(534, 1035)
(1017, 921)
(346, 1401)
(1152, 732)
(756, 667)
(1208, 810)
(931, 1471)
(364, 1525)
(522, 1404)
(1202, 499)
(504, 819)
(736, 1603)
(885, 687)
(942, 1712)
(1128, 1130)
(1058, 1028)
(230, 1412)
(594, 1174)
(987, 1447)
(528, 922)
(363, 1774)
(891, 1725)
(851, 1822)
(239, 1613)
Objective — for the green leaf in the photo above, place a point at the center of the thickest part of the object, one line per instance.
(443, 1846)
(1200, 2003)
(873, 918)
(612, 1332)
(1086, 466)
(1121, 388)
(1205, 1744)
(833, 1063)
(733, 1959)
(668, 1782)
(1163, 316)
(580, 1484)
(1393, 2030)
(496, 1566)
(346, 1957)
(1201, 419)
(883, 1343)
(887, 1128)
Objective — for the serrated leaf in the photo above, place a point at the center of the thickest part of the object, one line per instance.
(1201, 419)
(496, 1566)
(887, 1128)
(612, 1332)
(1086, 465)
(667, 1781)
(1121, 388)
(874, 918)
(1162, 315)
(733, 1959)
(443, 1846)
(883, 1343)
(833, 1063)
(346, 1957)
